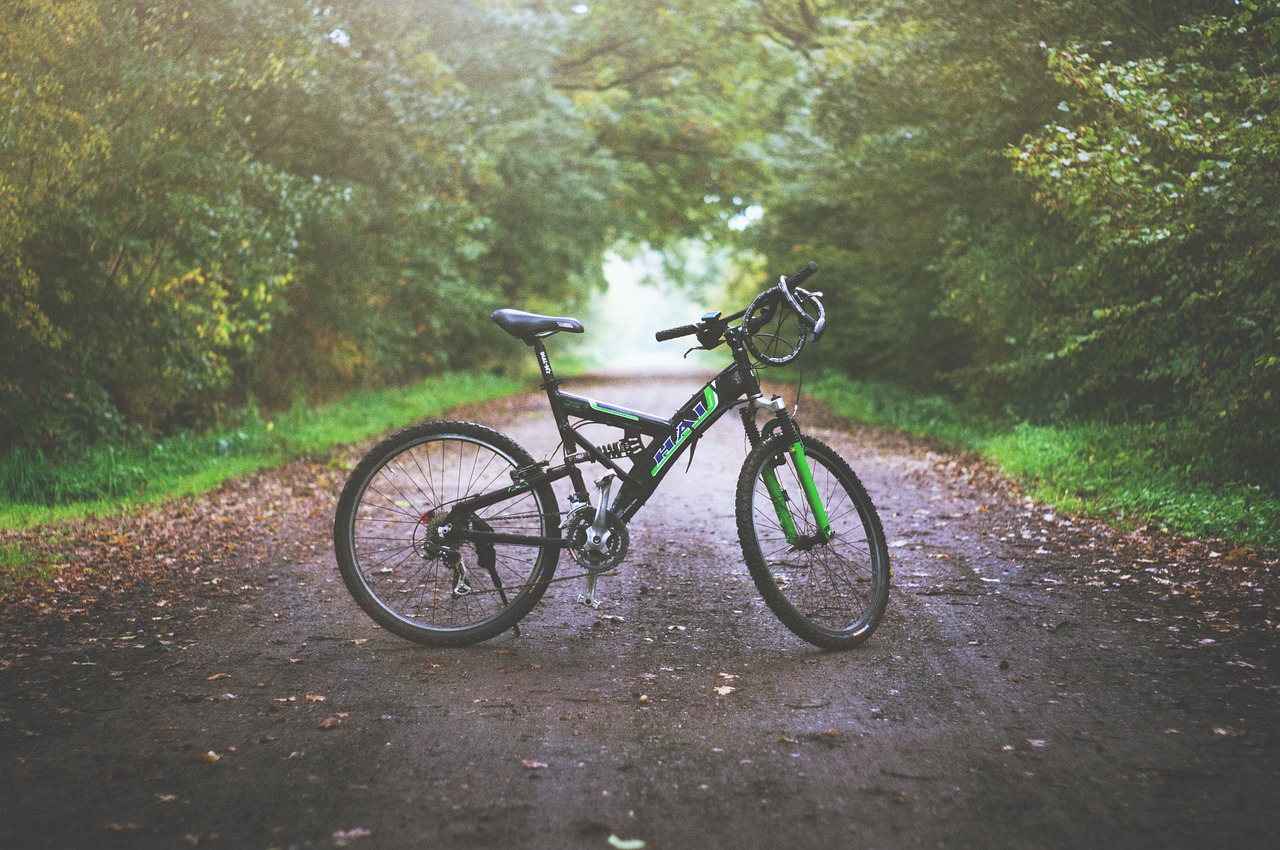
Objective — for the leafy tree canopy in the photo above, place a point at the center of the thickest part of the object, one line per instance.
(1051, 207)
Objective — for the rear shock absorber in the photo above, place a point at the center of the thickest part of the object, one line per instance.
(626, 447)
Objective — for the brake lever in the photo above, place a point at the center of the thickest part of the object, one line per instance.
(703, 348)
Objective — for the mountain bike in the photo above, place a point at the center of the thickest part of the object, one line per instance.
(448, 532)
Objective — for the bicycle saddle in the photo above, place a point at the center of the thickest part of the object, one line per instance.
(524, 325)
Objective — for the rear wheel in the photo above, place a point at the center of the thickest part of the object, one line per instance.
(831, 592)
(402, 549)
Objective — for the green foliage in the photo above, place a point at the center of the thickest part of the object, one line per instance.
(1166, 165)
(1137, 475)
(1128, 474)
(888, 167)
(1050, 207)
(203, 201)
(37, 487)
(149, 249)
(923, 415)
(18, 567)
(666, 89)
(1038, 226)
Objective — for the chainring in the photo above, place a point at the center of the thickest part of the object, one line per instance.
(617, 541)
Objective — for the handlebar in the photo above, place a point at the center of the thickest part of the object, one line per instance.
(713, 325)
(791, 291)
(676, 333)
(802, 275)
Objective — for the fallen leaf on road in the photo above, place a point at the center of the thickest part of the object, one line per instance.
(725, 690)
(115, 826)
(315, 698)
(334, 720)
(531, 764)
(343, 836)
(216, 676)
(892, 795)
(209, 757)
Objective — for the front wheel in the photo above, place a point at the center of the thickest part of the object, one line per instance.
(406, 552)
(828, 585)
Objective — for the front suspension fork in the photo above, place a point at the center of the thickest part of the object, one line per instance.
(804, 474)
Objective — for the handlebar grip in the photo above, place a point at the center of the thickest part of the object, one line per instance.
(674, 333)
(802, 275)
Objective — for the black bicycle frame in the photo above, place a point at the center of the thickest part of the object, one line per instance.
(661, 442)
(658, 443)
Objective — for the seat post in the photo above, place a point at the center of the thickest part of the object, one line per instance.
(549, 380)
(551, 384)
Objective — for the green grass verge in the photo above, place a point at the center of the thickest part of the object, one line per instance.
(1130, 475)
(35, 491)
(18, 566)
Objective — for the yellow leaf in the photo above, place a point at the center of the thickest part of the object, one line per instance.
(116, 826)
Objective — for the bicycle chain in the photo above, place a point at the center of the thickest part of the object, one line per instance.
(508, 588)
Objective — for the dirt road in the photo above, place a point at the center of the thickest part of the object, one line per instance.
(1037, 683)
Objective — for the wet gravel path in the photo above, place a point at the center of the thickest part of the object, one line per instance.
(1034, 684)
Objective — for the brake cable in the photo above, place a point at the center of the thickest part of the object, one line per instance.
(795, 408)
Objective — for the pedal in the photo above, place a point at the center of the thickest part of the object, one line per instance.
(589, 598)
